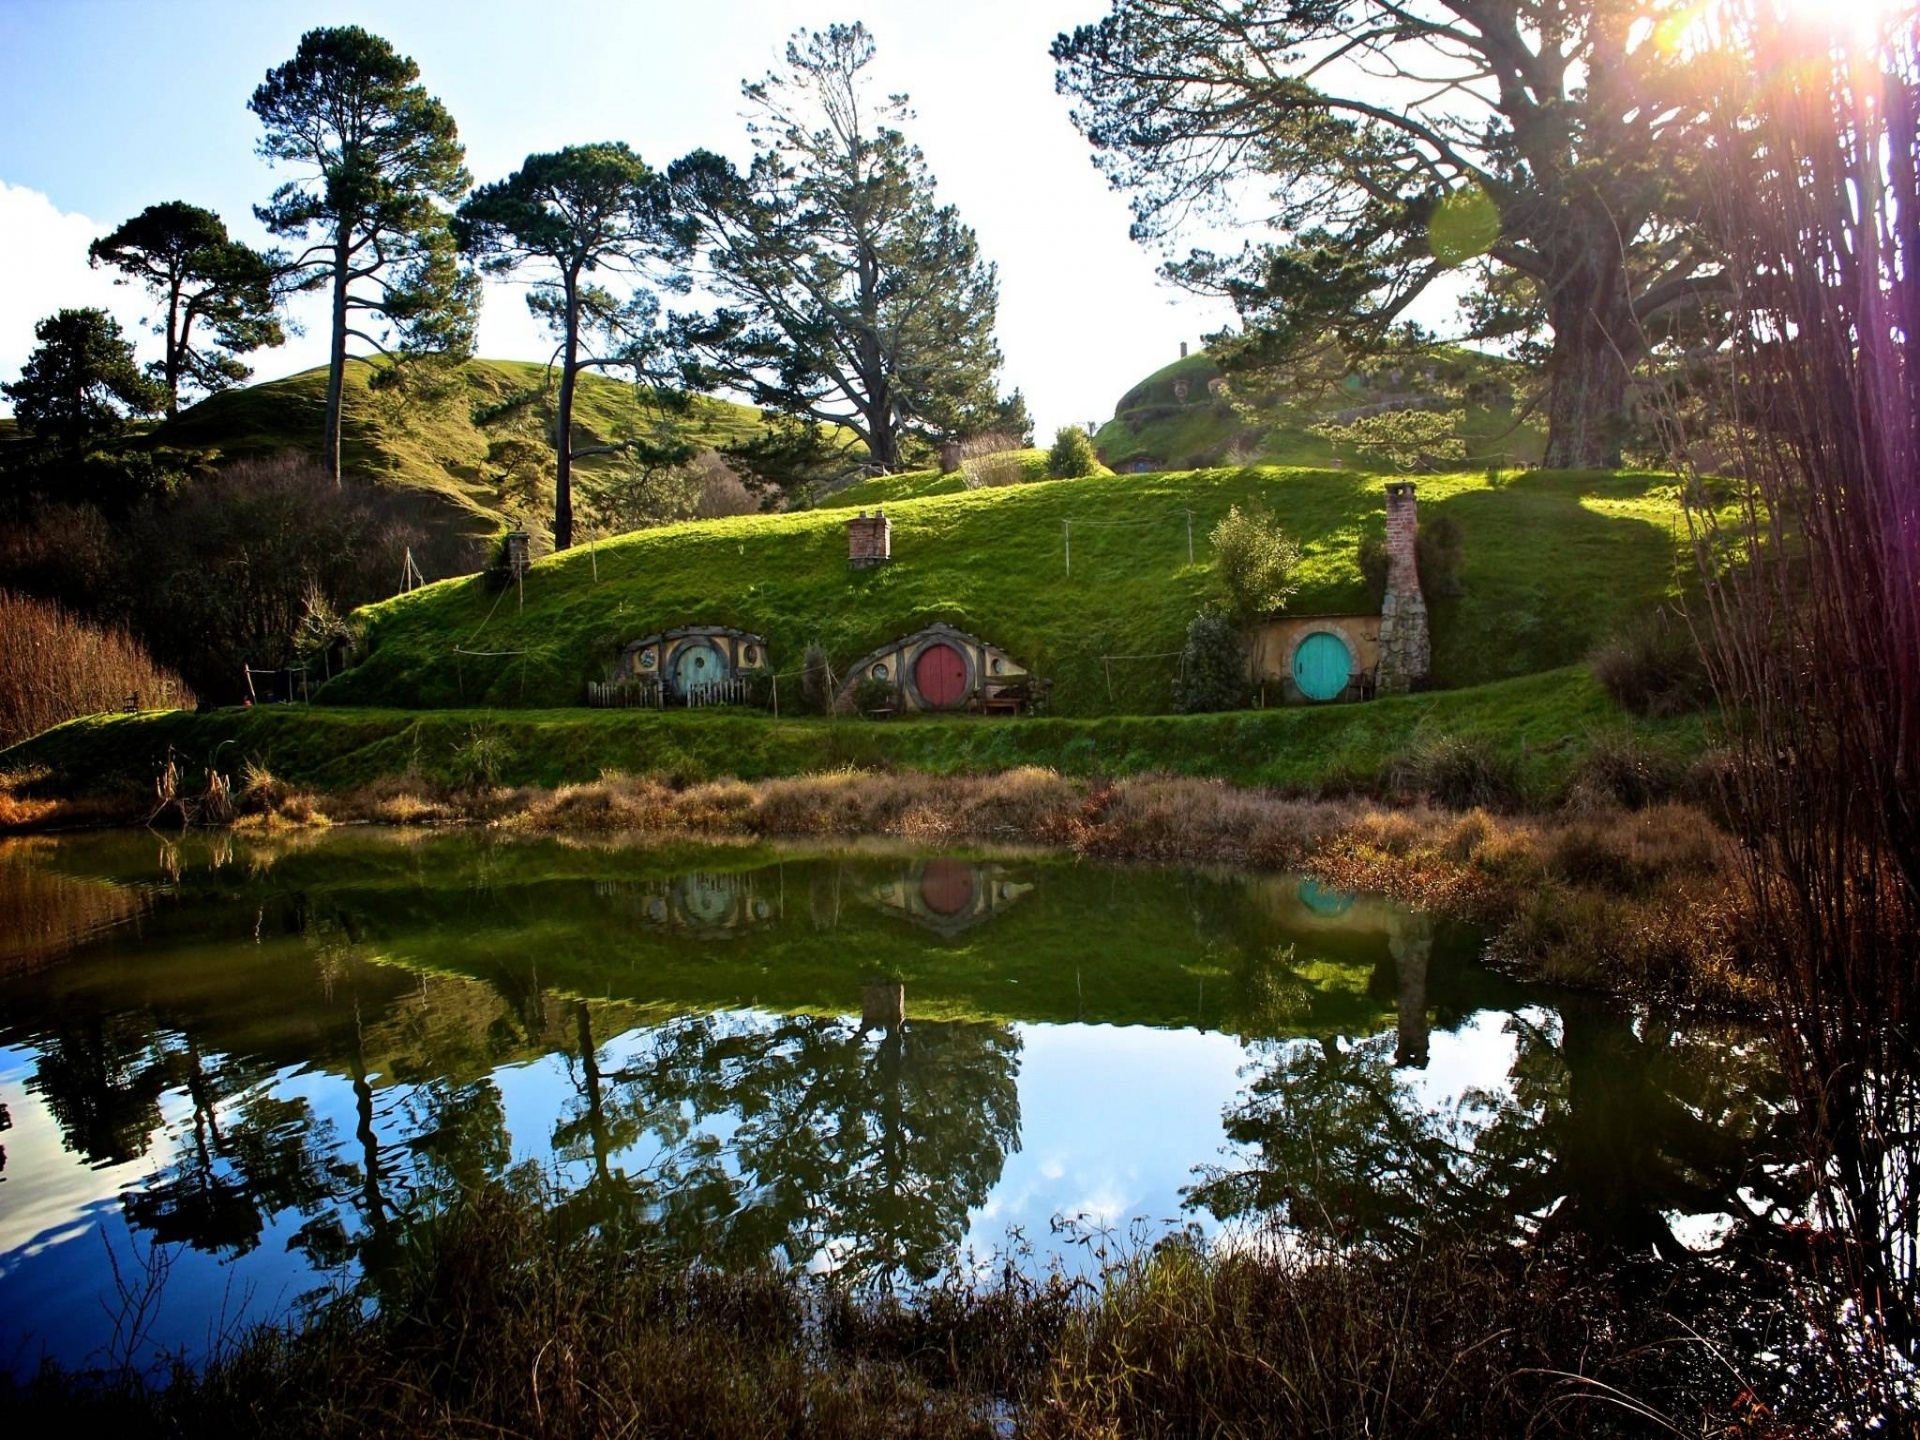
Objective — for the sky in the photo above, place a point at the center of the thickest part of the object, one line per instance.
(107, 106)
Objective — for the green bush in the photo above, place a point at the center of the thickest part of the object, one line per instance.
(481, 758)
(1072, 455)
(1458, 771)
(873, 697)
(1653, 668)
(1213, 667)
(1256, 562)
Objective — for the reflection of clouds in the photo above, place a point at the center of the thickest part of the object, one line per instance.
(50, 1195)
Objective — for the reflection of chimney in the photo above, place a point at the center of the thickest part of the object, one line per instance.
(869, 540)
(883, 1005)
(1406, 651)
(1410, 938)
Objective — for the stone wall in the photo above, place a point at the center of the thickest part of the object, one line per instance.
(1406, 648)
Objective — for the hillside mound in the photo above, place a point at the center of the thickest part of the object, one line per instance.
(460, 443)
(1088, 582)
(1188, 415)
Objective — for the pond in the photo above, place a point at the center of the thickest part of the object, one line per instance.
(231, 1070)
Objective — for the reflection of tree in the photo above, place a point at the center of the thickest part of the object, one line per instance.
(866, 1148)
(266, 1154)
(102, 1076)
(1600, 1130)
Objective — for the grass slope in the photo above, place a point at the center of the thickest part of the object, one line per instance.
(1157, 427)
(1553, 563)
(437, 446)
(1544, 722)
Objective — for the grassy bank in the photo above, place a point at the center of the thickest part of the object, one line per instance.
(1553, 564)
(501, 1316)
(1538, 733)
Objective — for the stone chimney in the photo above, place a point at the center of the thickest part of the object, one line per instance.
(870, 540)
(1183, 349)
(1406, 651)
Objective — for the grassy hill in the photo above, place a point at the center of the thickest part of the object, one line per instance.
(1174, 420)
(1553, 563)
(443, 445)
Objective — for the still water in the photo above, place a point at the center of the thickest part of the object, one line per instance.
(231, 1070)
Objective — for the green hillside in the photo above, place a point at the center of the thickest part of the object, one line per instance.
(1174, 420)
(1553, 562)
(445, 444)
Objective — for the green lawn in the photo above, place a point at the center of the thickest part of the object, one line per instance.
(1554, 562)
(1544, 722)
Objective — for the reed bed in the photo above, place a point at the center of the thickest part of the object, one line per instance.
(55, 666)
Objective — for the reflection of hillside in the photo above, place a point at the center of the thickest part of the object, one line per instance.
(947, 895)
(44, 914)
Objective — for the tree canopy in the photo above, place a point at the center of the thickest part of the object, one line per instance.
(1394, 141)
(847, 295)
(380, 160)
(201, 277)
(81, 381)
(580, 214)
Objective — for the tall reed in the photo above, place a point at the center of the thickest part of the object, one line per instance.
(55, 665)
(1810, 620)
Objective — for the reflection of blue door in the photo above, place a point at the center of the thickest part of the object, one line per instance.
(697, 663)
(1321, 666)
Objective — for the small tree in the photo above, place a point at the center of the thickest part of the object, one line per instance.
(202, 278)
(1213, 667)
(1072, 454)
(81, 382)
(1255, 562)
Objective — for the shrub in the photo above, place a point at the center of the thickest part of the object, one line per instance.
(1213, 667)
(1439, 554)
(816, 681)
(1072, 454)
(54, 666)
(1404, 439)
(1255, 560)
(479, 760)
(1620, 770)
(871, 696)
(1653, 668)
(1463, 772)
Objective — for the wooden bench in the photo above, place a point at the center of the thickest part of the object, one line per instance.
(1013, 697)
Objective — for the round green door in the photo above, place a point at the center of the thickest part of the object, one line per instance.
(1322, 666)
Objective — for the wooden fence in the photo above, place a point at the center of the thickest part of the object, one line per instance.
(647, 692)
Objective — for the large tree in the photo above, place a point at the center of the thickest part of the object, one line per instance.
(201, 277)
(81, 381)
(381, 162)
(1397, 140)
(848, 296)
(580, 214)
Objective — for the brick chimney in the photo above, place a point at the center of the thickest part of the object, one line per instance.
(1406, 650)
(869, 540)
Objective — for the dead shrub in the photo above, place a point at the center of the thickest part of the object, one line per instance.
(1653, 667)
(1620, 770)
(1462, 772)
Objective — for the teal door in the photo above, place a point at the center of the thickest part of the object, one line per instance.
(696, 664)
(1322, 666)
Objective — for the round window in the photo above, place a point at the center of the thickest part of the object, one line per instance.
(648, 660)
(879, 672)
(998, 665)
(752, 654)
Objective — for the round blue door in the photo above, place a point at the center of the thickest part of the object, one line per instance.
(696, 664)
(1322, 666)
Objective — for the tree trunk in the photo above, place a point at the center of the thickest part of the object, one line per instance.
(336, 358)
(1596, 341)
(563, 438)
(176, 341)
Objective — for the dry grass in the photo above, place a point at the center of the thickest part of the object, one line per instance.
(55, 666)
(505, 1316)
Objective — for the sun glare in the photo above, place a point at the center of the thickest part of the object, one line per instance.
(1692, 25)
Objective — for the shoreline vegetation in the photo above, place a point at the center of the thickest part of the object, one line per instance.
(1628, 886)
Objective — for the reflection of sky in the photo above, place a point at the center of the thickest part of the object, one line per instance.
(1114, 1122)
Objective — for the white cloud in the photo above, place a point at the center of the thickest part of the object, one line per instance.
(43, 268)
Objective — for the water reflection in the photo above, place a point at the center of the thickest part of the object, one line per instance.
(829, 1058)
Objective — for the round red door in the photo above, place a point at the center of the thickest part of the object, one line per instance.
(947, 886)
(940, 674)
